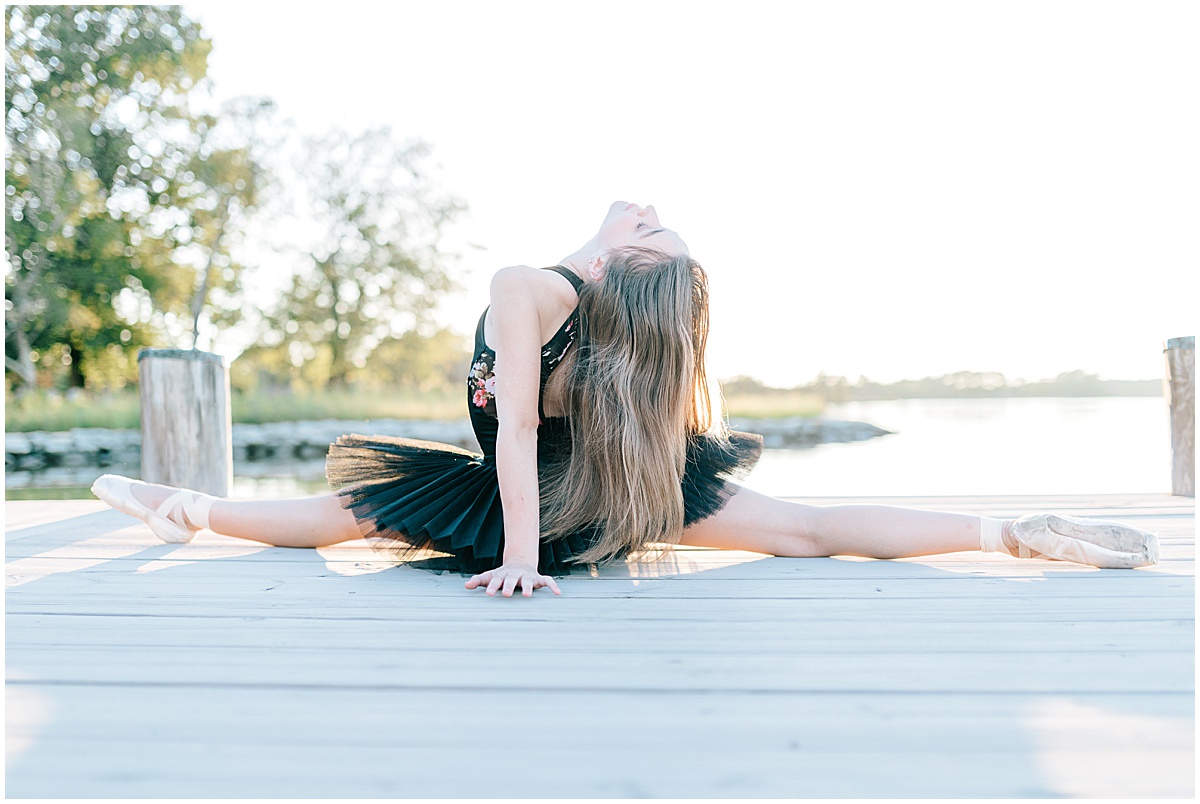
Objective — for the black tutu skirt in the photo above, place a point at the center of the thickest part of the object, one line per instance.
(437, 507)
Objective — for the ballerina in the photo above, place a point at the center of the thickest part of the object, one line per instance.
(588, 396)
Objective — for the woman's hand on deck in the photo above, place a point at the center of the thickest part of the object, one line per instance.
(508, 576)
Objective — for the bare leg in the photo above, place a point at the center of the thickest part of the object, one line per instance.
(304, 522)
(756, 522)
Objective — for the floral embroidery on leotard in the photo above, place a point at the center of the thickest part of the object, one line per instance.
(483, 383)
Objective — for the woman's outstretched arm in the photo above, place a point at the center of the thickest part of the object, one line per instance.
(516, 335)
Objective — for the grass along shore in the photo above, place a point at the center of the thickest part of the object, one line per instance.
(119, 410)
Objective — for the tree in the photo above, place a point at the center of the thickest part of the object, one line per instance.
(116, 193)
(232, 174)
(370, 264)
(421, 363)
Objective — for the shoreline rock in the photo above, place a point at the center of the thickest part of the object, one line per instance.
(797, 432)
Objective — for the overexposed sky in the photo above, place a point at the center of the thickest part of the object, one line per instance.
(889, 189)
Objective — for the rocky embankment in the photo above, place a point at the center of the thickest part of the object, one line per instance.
(65, 457)
(798, 432)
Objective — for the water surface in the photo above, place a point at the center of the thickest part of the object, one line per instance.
(1106, 445)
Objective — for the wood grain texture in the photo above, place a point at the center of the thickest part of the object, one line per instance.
(187, 430)
(224, 668)
(1181, 394)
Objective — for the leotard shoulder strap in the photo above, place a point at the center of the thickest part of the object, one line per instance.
(554, 351)
(570, 275)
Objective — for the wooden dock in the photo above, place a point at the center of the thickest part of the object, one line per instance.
(223, 668)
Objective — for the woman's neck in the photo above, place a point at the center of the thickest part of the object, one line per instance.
(578, 261)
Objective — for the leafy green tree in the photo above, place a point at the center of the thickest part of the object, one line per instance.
(231, 168)
(417, 362)
(368, 223)
(117, 195)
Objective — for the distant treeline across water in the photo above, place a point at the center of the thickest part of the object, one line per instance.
(960, 384)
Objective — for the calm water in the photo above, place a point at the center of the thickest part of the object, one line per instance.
(940, 447)
(985, 446)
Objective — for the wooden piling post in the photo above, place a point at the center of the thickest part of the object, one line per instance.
(187, 430)
(1181, 394)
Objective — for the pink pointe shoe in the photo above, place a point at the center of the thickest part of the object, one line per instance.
(177, 520)
(1096, 542)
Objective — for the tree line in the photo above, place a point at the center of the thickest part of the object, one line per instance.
(134, 218)
(959, 384)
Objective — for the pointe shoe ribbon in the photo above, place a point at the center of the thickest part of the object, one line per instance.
(1099, 543)
(188, 508)
(176, 520)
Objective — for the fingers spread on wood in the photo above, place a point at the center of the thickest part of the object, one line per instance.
(494, 584)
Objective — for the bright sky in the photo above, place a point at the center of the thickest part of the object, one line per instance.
(878, 188)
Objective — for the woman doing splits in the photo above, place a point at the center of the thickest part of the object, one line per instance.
(588, 395)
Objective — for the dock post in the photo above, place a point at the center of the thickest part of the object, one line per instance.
(1181, 394)
(187, 430)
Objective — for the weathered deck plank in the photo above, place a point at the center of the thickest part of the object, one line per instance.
(222, 668)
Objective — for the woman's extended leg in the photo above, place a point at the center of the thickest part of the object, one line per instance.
(752, 521)
(303, 522)
(762, 524)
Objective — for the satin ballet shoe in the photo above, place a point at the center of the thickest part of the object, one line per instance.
(1096, 542)
(177, 519)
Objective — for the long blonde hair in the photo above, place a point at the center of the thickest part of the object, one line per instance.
(634, 390)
